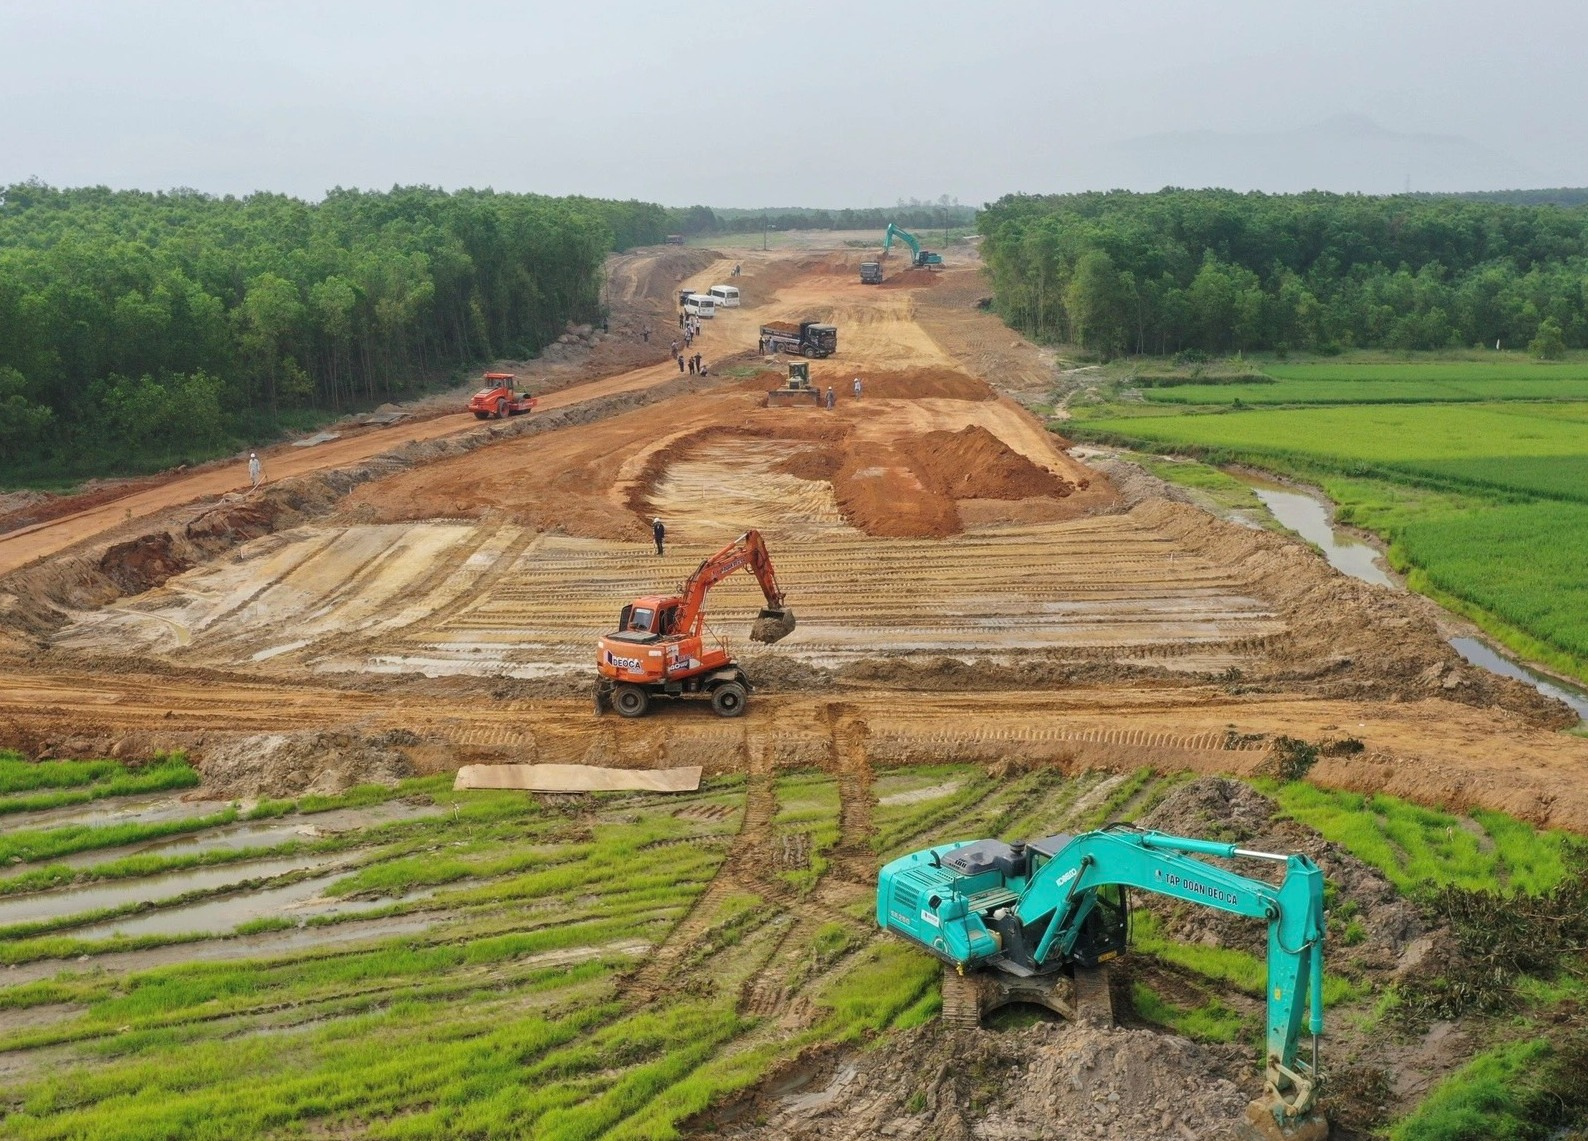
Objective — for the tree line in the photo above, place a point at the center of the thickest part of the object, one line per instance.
(1218, 271)
(140, 329)
(911, 215)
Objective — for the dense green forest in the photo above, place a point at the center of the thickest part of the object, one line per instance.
(139, 330)
(1218, 271)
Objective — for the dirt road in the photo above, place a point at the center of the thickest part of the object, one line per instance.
(27, 544)
(935, 543)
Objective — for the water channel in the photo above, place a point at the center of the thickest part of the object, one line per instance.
(1312, 519)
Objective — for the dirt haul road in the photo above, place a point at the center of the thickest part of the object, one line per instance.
(30, 543)
(965, 589)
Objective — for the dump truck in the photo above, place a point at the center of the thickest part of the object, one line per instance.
(500, 398)
(805, 339)
(798, 391)
(870, 273)
(661, 647)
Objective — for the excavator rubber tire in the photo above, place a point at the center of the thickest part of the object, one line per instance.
(728, 699)
(631, 700)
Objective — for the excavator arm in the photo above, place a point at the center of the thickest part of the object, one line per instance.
(1026, 909)
(747, 552)
(1058, 897)
(908, 238)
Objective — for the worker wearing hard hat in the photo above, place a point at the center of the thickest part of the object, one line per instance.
(659, 533)
(256, 470)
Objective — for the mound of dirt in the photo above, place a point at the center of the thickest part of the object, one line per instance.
(911, 279)
(1220, 809)
(293, 764)
(975, 464)
(1135, 483)
(816, 463)
(912, 384)
(1049, 1081)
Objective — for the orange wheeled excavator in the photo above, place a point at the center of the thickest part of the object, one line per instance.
(660, 648)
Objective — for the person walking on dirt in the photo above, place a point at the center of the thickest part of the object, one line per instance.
(680, 362)
(697, 362)
(691, 366)
(659, 533)
(256, 470)
(645, 334)
(673, 348)
(831, 399)
(857, 388)
(702, 368)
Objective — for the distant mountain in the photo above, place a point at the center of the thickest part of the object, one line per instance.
(1345, 153)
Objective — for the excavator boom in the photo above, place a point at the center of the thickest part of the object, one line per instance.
(748, 551)
(1059, 903)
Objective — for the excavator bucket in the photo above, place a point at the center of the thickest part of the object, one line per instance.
(772, 626)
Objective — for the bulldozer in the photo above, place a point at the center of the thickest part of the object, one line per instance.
(798, 391)
(661, 649)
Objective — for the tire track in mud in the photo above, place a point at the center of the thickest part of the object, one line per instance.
(738, 872)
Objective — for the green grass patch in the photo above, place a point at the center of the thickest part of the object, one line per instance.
(1245, 973)
(1213, 1021)
(1223, 488)
(1420, 848)
(1503, 1094)
(78, 782)
(52, 843)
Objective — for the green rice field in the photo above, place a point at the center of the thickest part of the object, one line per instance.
(1485, 505)
(1411, 382)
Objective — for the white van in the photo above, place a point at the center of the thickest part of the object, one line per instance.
(726, 296)
(701, 305)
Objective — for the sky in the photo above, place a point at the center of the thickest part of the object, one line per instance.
(818, 103)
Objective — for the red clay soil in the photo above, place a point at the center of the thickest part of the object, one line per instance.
(905, 384)
(911, 279)
(975, 464)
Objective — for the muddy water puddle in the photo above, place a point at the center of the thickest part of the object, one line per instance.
(1479, 654)
(115, 810)
(295, 901)
(219, 950)
(119, 893)
(248, 834)
(1310, 518)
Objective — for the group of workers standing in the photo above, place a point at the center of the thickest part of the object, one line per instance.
(832, 398)
(691, 327)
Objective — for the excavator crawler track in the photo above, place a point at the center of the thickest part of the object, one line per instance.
(961, 1000)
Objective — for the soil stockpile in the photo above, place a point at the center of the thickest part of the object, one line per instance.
(293, 764)
(1053, 1080)
(974, 464)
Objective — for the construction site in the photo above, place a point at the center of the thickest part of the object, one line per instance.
(994, 639)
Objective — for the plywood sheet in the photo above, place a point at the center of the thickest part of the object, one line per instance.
(577, 778)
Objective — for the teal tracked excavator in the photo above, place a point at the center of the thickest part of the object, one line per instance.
(1037, 922)
(920, 258)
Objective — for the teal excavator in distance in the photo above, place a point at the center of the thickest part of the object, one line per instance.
(923, 258)
(1036, 922)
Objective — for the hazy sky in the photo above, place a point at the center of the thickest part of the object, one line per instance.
(748, 103)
